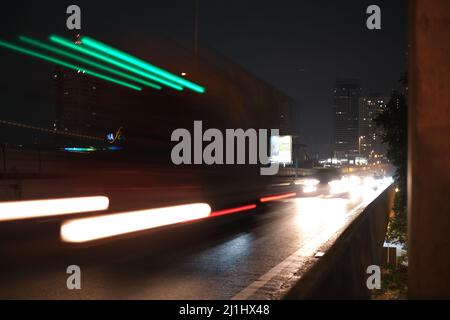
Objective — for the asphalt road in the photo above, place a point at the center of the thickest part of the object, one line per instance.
(245, 255)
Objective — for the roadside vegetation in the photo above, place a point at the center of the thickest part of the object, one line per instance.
(394, 123)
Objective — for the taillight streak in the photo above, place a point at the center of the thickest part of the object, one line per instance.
(232, 210)
(277, 197)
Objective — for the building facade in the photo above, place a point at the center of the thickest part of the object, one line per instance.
(370, 140)
(346, 118)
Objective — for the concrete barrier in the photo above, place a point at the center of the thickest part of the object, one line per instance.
(341, 272)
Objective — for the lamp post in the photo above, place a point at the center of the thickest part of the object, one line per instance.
(196, 16)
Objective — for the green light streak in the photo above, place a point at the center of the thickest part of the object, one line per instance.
(53, 49)
(67, 65)
(140, 63)
(73, 46)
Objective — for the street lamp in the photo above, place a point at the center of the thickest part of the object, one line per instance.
(196, 18)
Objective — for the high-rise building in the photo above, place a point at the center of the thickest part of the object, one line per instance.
(369, 135)
(77, 100)
(346, 111)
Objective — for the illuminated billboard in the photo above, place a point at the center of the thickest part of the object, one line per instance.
(281, 149)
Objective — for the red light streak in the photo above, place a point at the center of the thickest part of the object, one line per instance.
(232, 210)
(278, 197)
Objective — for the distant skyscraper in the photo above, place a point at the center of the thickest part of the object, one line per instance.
(370, 135)
(346, 111)
(76, 100)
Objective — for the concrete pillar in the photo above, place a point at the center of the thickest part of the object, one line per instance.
(429, 150)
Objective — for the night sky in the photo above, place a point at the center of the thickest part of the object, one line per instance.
(299, 46)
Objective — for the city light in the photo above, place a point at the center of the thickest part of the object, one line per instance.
(69, 44)
(67, 65)
(53, 49)
(345, 184)
(314, 213)
(97, 45)
(307, 182)
(369, 181)
(80, 149)
(91, 149)
(338, 187)
(309, 185)
(19, 210)
(309, 189)
(94, 228)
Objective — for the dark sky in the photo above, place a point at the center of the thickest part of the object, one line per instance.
(299, 46)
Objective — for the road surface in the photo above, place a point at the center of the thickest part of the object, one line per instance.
(249, 255)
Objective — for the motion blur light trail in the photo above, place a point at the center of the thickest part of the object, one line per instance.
(309, 185)
(309, 189)
(104, 53)
(97, 45)
(89, 229)
(278, 197)
(66, 54)
(80, 150)
(67, 65)
(307, 182)
(19, 210)
(69, 44)
(345, 184)
(357, 187)
(232, 210)
(91, 149)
